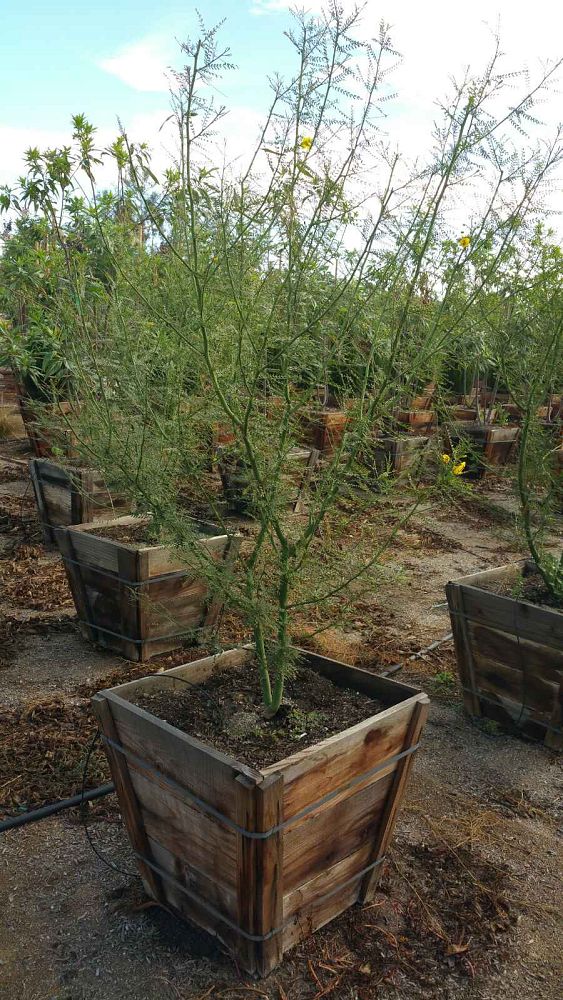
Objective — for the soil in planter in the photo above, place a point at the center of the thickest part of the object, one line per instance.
(133, 534)
(129, 534)
(226, 712)
(526, 588)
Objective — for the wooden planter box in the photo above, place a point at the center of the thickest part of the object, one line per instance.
(509, 655)
(324, 429)
(67, 495)
(11, 420)
(8, 388)
(425, 400)
(40, 436)
(300, 465)
(260, 858)
(398, 453)
(491, 445)
(463, 413)
(139, 600)
(514, 412)
(415, 421)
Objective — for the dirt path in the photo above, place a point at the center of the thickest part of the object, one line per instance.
(469, 904)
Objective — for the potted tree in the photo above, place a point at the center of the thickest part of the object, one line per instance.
(255, 807)
(32, 334)
(508, 622)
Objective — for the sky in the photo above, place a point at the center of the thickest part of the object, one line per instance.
(109, 60)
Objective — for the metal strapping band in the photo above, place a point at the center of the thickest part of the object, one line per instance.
(227, 821)
(258, 938)
(153, 638)
(517, 704)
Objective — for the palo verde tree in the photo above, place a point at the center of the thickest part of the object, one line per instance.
(267, 287)
(524, 319)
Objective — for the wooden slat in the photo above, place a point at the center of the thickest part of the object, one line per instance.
(247, 871)
(180, 867)
(128, 603)
(318, 841)
(344, 675)
(100, 553)
(508, 573)
(80, 593)
(230, 553)
(196, 673)
(509, 615)
(126, 795)
(188, 832)
(318, 911)
(297, 902)
(464, 653)
(269, 873)
(162, 559)
(554, 733)
(143, 610)
(538, 664)
(81, 490)
(394, 799)
(48, 534)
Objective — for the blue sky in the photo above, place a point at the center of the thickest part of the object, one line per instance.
(107, 60)
(53, 53)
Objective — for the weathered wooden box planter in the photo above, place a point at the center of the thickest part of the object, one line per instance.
(260, 858)
(8, 387)
(135, 598)
(398, 453)
(463, 414)
(11, 420)
(324, 429)
(509, 655)
(491, 445)
(415, 421)
(236, 480)
(40, 435)
(67, 495)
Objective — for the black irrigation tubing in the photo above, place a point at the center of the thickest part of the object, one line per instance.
(97, 793)
(56, 807)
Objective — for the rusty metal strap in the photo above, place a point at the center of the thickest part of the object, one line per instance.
(226, 820)
(256, 938)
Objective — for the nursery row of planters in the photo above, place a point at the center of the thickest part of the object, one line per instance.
(262, 857)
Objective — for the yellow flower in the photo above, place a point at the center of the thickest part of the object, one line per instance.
(306, 142)
(464, 242)
(446, 459)
(458, 469)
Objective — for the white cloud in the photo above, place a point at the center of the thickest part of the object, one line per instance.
(439, 40)
(142, 65)
(15, 140)
(260, 7)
